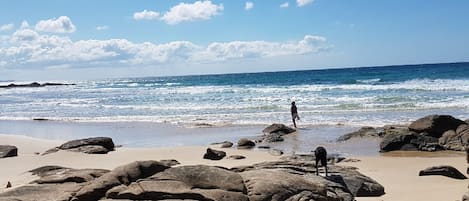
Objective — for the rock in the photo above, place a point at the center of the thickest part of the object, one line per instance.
(90, 149)
(237, 157)
(8, 184)
(40, 119)
(8, 151)
(212, 154)
(105, 142)
(275, 137)
(426, 143)
(43, 192)
(358, 184)
(49, 151)
(170, 162)
(95, 145)
(444, 171)
(276, 152)
(197, 182)
(278, 129)
(455, 139)
(244, 143)
(263, 147)
(435, 125)
(397, 141)
(276, 185)
(124, 174)
(363, 132)
(347, 177)
(226, 144)
(56, 174)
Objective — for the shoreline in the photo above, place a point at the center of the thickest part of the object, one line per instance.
(397, 172)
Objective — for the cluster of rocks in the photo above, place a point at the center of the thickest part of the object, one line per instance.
(33, 84)
(94, 145)
(430, 133)
(158, 180)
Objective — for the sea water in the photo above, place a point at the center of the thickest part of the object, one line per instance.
(371, 96)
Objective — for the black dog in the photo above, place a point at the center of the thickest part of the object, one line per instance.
(321, 155)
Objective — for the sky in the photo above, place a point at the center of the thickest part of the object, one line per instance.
(72, 40)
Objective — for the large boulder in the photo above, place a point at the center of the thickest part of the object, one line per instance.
(8, 151)
(94, 145)
(435, 125)
(197, 182)
(125, 174)
(244, 143)
(397, 141)
(344, 179)
(363, 132)
(278, 129)
(443, 170)
(277, 185)
(213, 154)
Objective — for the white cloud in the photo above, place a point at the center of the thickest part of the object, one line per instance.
(27, 48)
(7, 27)
(146, 15)
(301, 3)
(63, 24)
(101, 28)
(199, 10)
(284, 5)
(24, 24)
(249, 5)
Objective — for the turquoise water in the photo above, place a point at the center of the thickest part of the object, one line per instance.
(351, 96)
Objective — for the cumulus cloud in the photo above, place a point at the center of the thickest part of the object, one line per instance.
(199, 10)
(284, 5)
(63, 24)
(7, 27)
(146, 15)
(301, 3)
(26, 48)
(249, 5)
(24, 24)
(101, 28)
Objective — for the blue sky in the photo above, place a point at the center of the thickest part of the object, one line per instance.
(58, 39)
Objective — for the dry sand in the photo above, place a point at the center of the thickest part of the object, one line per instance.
(398, 173)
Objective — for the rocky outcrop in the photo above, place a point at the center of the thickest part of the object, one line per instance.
(33, 84)
(122, 175)
(198, 182)
(213, 154)
(244, 143)
(152, 180)
(435, 125)
(431, 133)
(444, 171)
(94, 145)
(8, 151)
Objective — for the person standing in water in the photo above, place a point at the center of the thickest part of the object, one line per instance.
(294, 113)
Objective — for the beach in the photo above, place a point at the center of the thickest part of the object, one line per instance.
(396, 171)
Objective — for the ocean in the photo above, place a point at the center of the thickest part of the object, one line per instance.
(368, 96)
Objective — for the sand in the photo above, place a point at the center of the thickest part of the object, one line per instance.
(397, 172)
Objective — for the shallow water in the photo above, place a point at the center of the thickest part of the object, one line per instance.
(144, 134)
